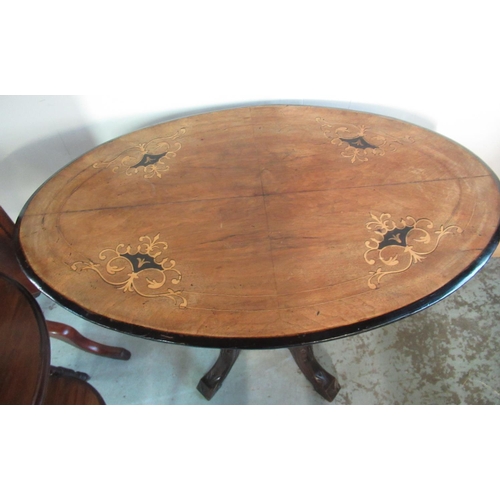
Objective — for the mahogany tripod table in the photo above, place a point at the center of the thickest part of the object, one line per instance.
(261, 227)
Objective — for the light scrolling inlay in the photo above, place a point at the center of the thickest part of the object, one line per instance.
(397, 246)
(148, 158)
(358, 142)
(145, 270)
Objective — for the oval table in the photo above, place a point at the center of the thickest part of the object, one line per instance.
(261, 227)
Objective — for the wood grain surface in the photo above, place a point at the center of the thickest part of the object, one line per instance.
(67, 390)
(25, 374)
(261, 226)
(24, 347)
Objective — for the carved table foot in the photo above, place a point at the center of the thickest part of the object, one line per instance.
(213, 379)
(323, 382)
(59, 371)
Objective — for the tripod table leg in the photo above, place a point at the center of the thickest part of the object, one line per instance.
(323, 382)
(213, 379)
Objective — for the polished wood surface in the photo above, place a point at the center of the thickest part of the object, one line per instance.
(68, 390)
(261, 226)
(26, 376)
(24, 347)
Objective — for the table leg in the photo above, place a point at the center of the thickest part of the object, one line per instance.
(323, 382)
(68, 334)
(213, 379)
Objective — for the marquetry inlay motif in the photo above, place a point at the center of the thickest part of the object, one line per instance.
(144, 269)
(147, 158)
(358, 141)
(397, 246)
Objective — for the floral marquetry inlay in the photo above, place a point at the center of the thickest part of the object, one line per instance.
(148, 158)
(397, 246)
(145, 269)
(358, 142)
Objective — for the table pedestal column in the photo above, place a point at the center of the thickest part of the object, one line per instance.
(323, 382)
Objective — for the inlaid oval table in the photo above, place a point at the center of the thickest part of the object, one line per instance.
(261, 227)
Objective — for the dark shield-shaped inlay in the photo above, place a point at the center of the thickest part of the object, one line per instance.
(141, 262)
(149, 159)
(358, 143)
(395, 237)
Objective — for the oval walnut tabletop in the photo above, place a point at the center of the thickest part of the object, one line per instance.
(261, 227)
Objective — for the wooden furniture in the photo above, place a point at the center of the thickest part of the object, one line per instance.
(67, 389)
(261, 227)
(10, 266)
(26, 376)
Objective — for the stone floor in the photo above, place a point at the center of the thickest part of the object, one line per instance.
(447, 354)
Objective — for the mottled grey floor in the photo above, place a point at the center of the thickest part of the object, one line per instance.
(447, 354)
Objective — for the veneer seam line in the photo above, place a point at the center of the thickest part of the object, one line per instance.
(264, 195)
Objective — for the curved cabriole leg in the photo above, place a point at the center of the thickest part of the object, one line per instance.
(323, 382)
(213, 379)
(75, 338)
